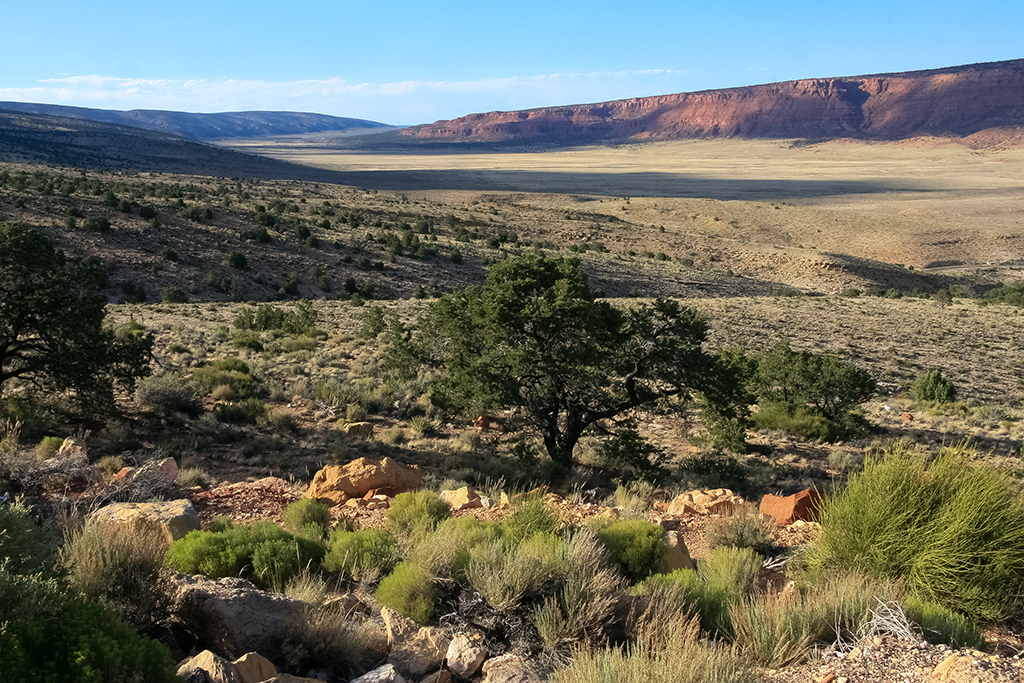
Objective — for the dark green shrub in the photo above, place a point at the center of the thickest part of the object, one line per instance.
(25, 546)
(249, 411)
(635, 546)
(933, 386)
(627, 449)
(415, 513)
(794, 381)
(407, 590)
(230, 372)
(800, 423)
(169, 393)
(237, 260)
(51, 637)
(951, 529)
(97, 223)
(373, 323)
(261, 552)
(307, 511)
(360, 555)
(713, 471)
(173, 295)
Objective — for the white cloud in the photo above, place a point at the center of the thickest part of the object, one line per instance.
(395, 102)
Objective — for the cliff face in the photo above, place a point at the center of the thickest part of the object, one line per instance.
(955, 101)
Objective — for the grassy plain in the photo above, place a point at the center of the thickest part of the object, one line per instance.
(914, 202)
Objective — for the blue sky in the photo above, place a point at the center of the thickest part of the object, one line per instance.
(413, 62)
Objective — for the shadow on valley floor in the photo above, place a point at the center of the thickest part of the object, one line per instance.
(643, 184)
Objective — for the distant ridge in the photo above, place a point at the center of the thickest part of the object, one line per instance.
(220, 126)
(955, 101)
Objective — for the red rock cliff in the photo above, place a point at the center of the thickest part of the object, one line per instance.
(955, 101)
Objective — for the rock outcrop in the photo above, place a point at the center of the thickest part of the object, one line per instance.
(415, 650)
(169, 520)
(958, 101)
(232, 616)
(336, 484)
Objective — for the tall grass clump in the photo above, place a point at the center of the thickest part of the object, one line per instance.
(504, 572)
(721, 581)
(586, 598)
(117, 568)
(951, 530)
(660, 654)
(529, 517)
(444, 553)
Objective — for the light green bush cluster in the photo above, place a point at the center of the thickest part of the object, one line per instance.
(262, 552)
(951, 529)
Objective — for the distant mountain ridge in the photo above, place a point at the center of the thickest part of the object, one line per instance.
(218, 126)
(954, 101)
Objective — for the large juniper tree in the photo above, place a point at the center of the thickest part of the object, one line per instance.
(51, 324)
(534, 338)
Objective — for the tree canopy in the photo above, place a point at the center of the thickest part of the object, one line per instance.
(534, 338)
(51, 323)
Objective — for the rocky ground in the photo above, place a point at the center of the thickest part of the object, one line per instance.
(896, 656)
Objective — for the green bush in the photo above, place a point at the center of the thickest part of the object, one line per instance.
(933, 386)
(50, 637)
(416, 513)
(173, 295)
(230, 372)
(25, 546)
(504, 573)
(261, 552)
(635, 546)
(48, 447)
(362, 555)
(407, 590)
(951, 529)
(169, 393)
(721, 581)
(303, 343)
(249, 411)
(307, 511)
(800, 423)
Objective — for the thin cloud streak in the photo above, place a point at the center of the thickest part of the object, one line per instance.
(397, 102)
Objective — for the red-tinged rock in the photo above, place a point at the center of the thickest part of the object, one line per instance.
(959, 101)
(788, 509)
(907, 417)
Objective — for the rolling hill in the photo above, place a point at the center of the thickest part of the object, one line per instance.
(217, 126)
